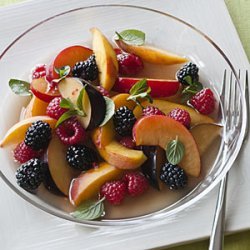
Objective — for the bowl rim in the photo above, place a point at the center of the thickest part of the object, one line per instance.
(154, 216)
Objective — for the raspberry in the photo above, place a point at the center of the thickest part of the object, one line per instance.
(23, 153)
(54, 110)
(181, 115)
(129, 64)
(136, 182)
(114, 191)
(71, 132)
(103, 91)
(128, 142)
(203, 101)
(151, 110)
(39, 71)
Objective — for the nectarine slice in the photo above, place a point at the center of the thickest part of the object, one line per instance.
(88, 184)
(61, 173)
(160, 130)
(151, 54)
(35, 107)
(166, 107)
(16, 134)
(121, 100)
(105, 58)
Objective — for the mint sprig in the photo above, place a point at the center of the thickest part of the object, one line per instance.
(63, 72)
(110, 110)
(131, 36)
(90, 210)
(175, 151)
(73, 109)
(140, 90)
(20, 87)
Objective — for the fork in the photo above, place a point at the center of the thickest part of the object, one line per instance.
(231, 122)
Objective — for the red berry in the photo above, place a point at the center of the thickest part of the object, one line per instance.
(136, 182)
(128, 142)
(203, 101)
(114, 191)
(103, 91)
(71, 132)
(54, 110)
(23, 153)
(129, 64)
(151, 110)
(39, 71)
(117, 51)
(181, 115)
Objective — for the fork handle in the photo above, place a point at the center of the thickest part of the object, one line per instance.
(217, 235)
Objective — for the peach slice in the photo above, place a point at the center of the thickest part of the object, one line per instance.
(105, 58)
(70, 56)
(151, 54)
(17, 132)
(88, 184)
(61, 173)
(35, 107)
(160, 130)
(166, 107)
(121, 100)
(205, 134)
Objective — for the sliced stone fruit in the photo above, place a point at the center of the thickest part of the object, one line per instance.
(151, 54)
(166, 107)
(205, 134)
(36, 107)
(16, 133)
(61, 173)
(105, 59)
(121, 100)
(88, 184)
(160, 130)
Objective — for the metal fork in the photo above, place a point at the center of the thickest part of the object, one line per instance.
(231, 121)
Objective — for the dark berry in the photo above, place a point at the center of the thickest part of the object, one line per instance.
(180, 115)
(124, 121)
(114, 192)
(129, 64)
(151, 110)
(39, 71)
(86, 70)
(38, 135)
(23, 153)
(136, 182)
(203, 101)
(54, 110)
(189, 69)
(31, 174)
(81, 157)
(71, 132)
(173, 176)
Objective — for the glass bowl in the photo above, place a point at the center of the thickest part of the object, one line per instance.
(44, 40)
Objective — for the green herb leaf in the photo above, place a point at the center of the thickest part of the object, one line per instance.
(110, 110)
(131, 36)
(175, 151)
(79, 99)
(90, 210)
(67, 104)
(66, 116)
(140, 90)
(63, 71)
(20, 87)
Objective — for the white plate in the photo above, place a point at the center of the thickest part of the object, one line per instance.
(24, 227)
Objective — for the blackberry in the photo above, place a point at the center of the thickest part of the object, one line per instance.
(31, 174)
(173, 176)
(81, 157)
(38, 135)
(189, 69)
(124, 121)
(86, 70)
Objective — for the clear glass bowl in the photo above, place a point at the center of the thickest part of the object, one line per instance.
(45, 39)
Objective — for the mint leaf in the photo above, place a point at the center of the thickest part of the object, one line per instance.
(20, 87)
(67, 104)
(79, 99)
(89, 210)
(175, 151)
(110, 110)
(131, 36)
(63, 71)
(68, 114)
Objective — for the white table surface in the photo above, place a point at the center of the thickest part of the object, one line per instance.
(24, 227)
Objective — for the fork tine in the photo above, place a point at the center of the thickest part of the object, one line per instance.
(247, 104)
(229, 103)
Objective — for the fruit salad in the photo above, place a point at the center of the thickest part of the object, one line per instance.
(101, 132)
